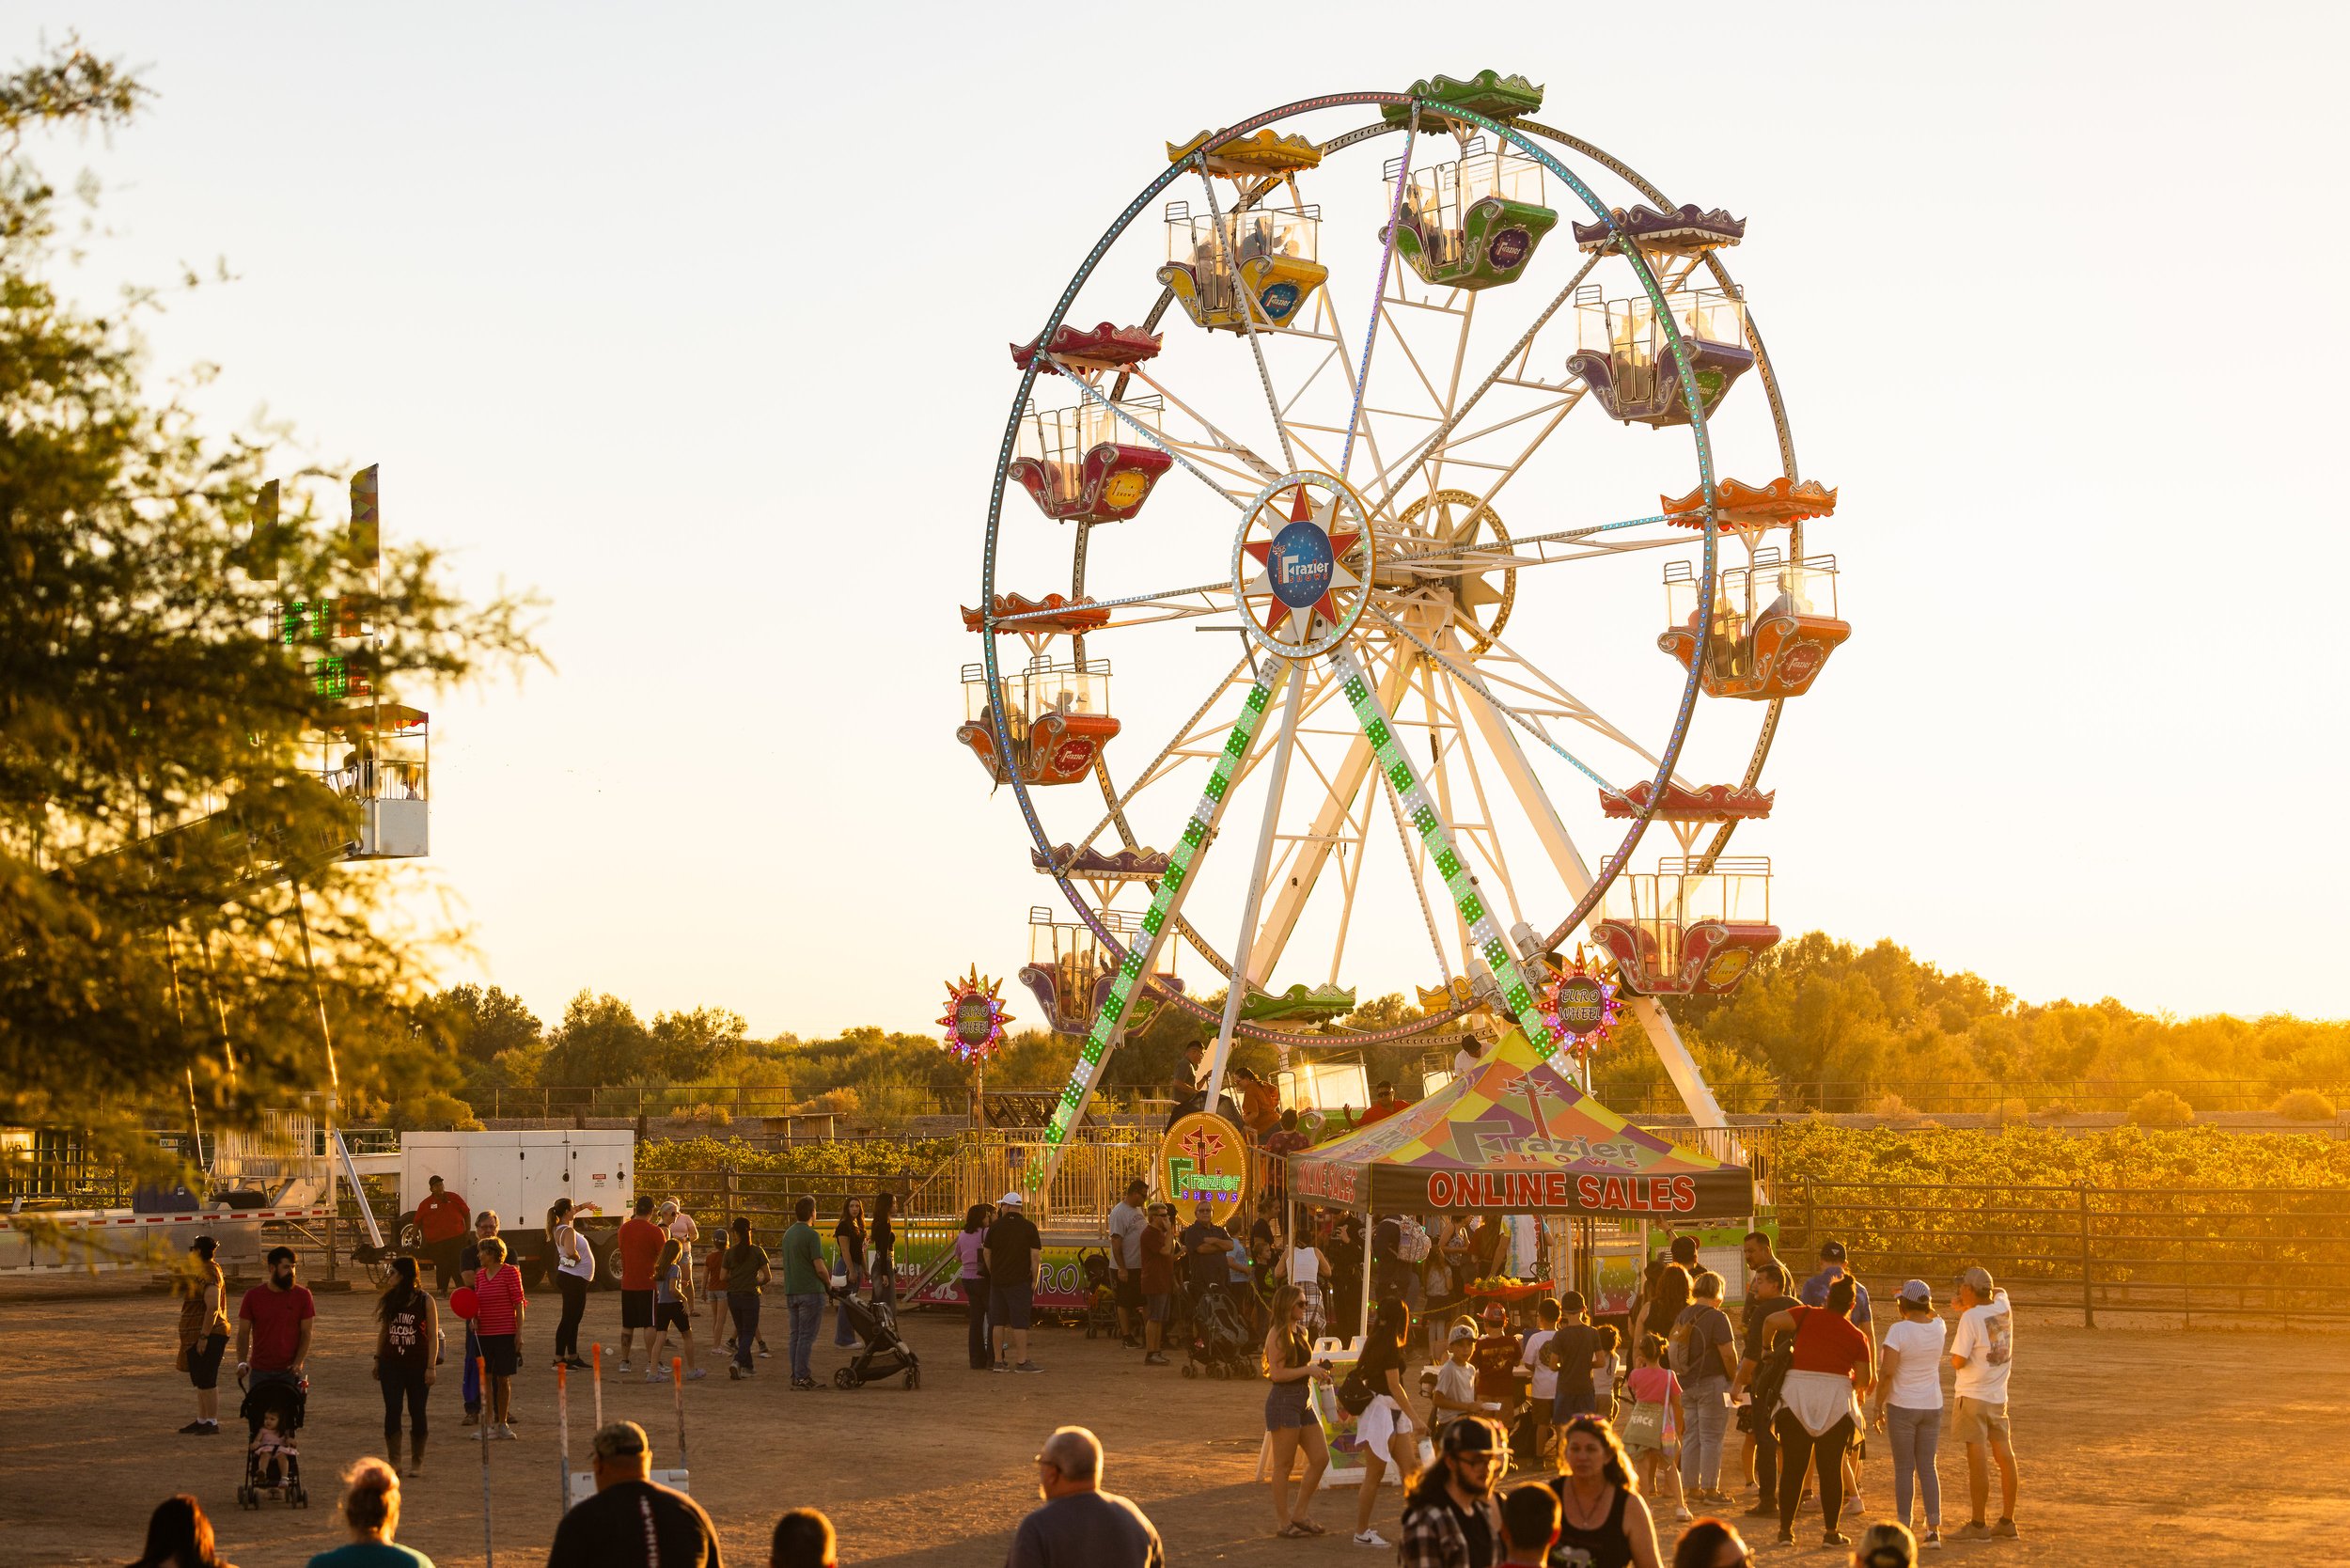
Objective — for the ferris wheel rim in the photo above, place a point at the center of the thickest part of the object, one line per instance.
(1611, 865)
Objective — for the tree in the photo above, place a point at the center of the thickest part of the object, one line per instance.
(598, 1042)
(480, 1024)
(169, 858)
(687, 1047)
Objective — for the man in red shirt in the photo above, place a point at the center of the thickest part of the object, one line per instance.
(274, 1324)
(1387, 1105)
(639, 1245)
(442, 1220)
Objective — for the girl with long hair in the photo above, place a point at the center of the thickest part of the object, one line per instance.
(1600, 1509)
(407, 1347)
(1289, 1412)
(849, 1247)
(574, 1264)
(1667, 1300)
(1385, 1426)
(972, 1277)
(180, 1536)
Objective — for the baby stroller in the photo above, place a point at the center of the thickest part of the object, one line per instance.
(1102, 1310)
(880, 1352)
(272, 1411)
(1218, 1345)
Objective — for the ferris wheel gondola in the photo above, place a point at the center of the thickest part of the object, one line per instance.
(1424, 704)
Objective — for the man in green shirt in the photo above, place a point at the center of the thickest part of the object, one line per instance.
(804, 1278)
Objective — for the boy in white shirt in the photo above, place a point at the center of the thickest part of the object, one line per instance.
(1983, 1351)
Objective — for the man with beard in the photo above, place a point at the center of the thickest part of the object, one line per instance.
(1449, 1520)
(274, 1324)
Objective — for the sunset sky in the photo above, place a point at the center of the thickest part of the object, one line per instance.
(695, 320)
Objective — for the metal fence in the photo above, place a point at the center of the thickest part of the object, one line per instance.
(2277, 1253)
(1943, 1096)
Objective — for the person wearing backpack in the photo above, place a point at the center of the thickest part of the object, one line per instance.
(1760, 1372)
(1704, 1358)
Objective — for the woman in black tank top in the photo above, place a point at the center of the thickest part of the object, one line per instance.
(1602, 1521)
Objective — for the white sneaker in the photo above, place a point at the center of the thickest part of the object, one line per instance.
(625, 1367)
(1682, 1515)
(1369, 1538)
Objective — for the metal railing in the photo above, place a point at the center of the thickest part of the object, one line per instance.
(1945, 1096)
(2273, 1252)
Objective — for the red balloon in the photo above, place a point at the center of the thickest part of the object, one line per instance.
(463, 1302)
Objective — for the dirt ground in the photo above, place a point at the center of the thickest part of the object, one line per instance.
(2207, 1446)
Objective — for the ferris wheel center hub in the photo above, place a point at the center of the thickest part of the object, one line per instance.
(1302, 563)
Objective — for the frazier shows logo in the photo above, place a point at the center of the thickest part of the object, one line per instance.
(1523, 1190)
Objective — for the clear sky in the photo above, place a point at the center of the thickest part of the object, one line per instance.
(693, 318)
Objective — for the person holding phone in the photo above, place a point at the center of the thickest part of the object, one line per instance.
(1289, 1412)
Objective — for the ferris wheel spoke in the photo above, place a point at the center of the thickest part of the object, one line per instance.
(1468, 903)
(1249, 325)
(1488, 829)
(1236, 988)
(1340, 785)
(1185, 744)
(1576, 708)
(1093, 394)
(1477, 686)
(1394, 477)
(1217, 441)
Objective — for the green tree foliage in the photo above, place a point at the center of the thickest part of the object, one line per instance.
(168, 852)
(482, 1023)
(598, 1042)
(1815, 1010)
(686, 1047)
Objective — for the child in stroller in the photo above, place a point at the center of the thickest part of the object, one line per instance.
(1102, 1308)
(880, 1352)
(1219, 1343)
(272, 1411)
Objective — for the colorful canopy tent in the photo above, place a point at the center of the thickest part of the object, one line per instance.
(1516, 1136)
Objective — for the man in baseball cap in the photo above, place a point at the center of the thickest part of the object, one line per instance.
(1815, 1292)
(1906, 1402)
(1010, 1255)
(1983, 1351)
(1454, 1496)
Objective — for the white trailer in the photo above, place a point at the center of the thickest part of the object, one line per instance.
(520, 1174)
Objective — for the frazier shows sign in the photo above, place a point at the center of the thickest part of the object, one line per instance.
(1522, 1191)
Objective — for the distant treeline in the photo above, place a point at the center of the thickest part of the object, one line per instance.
(1812, 1011)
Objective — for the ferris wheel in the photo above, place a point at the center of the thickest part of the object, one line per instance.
(1368, 514)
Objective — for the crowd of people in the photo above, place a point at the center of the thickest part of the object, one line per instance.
(1682, 1404)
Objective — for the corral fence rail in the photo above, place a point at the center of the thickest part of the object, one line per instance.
(1948, 1096)
(2275, 1252)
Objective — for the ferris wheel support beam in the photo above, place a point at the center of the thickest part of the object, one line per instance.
(1236, 991)
(1158, 923)
(1680, 1066)
(1485, 935)
(1297, 889)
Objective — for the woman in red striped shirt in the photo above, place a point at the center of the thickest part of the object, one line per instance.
(497, 1293)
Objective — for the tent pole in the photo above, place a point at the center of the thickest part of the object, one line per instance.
(1370, 1230)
